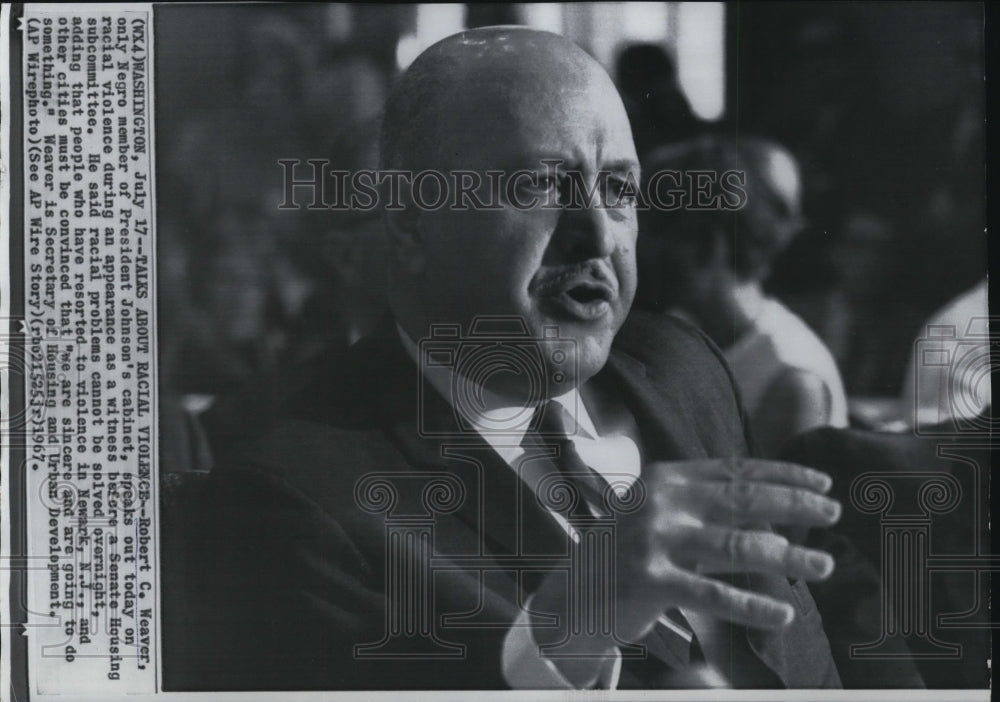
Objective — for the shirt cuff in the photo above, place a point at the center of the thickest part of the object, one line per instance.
(524, 668)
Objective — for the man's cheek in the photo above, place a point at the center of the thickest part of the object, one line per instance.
(626, 297)
(626, 269)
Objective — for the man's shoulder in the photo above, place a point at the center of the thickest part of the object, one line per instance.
(669, 346)
(332, 427)
(688, 382)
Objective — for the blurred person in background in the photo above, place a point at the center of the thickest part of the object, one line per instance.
(327, 273)
(227, 239)
(949, 373)
(346, 260)
(709, 265)
(657, 108)
(864, 253)
(253, 289)
(221, 326)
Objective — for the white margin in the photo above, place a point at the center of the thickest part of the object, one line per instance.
(6, 631)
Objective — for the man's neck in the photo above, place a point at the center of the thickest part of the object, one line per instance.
(501, 414)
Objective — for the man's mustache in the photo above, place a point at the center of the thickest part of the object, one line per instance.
(596, 272)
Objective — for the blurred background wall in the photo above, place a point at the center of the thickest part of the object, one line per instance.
(881, 103)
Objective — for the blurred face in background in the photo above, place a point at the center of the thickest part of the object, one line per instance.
(239, 282)
(698, 258)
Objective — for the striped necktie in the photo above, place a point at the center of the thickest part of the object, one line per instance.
(671, 641)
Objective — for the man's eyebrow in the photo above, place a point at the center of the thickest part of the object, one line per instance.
(566, 162)
(625, 164)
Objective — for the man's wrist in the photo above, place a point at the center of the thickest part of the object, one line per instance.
(580, 658)
(525, 668)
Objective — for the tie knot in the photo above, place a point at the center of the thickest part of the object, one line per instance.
(552, 429)
(552, 421)
(550, 425)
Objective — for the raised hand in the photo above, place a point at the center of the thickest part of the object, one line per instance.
(701, 518)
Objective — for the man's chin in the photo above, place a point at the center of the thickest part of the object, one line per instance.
(585, 343)
(592, 354)
(586, 356)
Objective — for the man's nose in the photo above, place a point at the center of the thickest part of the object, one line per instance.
(586, 231)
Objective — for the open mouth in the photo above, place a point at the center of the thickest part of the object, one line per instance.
(581, 293)
(584, 301)
(586, 293)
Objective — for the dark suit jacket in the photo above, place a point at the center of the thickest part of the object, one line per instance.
(276, 573)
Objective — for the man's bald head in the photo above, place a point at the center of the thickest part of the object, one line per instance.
(474, 77)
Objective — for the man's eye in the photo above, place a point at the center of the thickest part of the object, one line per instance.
(548, 183)
(538, 184)
(547, 188)
(619, 194)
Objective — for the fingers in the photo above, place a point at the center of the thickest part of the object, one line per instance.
(740, 502)
(724, 601)
(781, 473)
(690, 527)
(750, 469)
(712, 549)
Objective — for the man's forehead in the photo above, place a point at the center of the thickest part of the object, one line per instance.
(515, 121)
(571, 145)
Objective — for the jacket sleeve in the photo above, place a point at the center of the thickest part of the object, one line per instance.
(274, 593)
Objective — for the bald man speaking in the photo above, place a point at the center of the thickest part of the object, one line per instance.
(508, 485)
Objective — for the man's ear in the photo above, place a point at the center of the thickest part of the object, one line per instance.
(403, 226)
